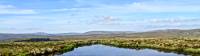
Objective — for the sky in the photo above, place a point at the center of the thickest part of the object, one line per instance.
(61, 16)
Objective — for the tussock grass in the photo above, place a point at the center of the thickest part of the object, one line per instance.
(189, 46)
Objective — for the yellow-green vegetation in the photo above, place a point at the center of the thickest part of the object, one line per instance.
(189, 46)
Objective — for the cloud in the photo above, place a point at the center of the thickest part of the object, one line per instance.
(145, 7)
(162, 22)
(153, 8)
(10, 9)
(106, 20)
(175, 20)
(166, 6)
(6, 6)
(85, 15)
(171, 23)
(109, 18)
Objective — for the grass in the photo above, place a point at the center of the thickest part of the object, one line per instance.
(189, 46)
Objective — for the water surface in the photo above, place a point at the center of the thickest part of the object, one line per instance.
(103, 50)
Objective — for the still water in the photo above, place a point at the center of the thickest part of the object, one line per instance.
(103, 50)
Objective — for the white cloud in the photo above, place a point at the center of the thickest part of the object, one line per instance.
(6, 6)
(148, 7)
(117, 17)
(9, 9)
(145, 7)
(175, 20)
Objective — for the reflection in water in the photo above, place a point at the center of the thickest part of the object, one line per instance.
(102, 50)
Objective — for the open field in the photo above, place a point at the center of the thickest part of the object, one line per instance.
(189, 46)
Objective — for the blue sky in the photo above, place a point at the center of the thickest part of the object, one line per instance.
(60, 16)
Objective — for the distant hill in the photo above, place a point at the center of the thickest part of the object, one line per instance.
(171, 33)
(64, 34)
(156, 33)
(9, 36)
(39, 33)
(43, 34)
(108, 32)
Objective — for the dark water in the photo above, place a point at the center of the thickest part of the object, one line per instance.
(102, 50)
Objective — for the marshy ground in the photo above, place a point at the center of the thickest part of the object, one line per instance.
(188, 46)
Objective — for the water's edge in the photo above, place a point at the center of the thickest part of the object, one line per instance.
(72, 45)
(111, 52)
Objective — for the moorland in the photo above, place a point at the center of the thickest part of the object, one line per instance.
(177, 41)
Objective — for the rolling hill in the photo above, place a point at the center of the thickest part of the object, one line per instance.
(156, 33)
